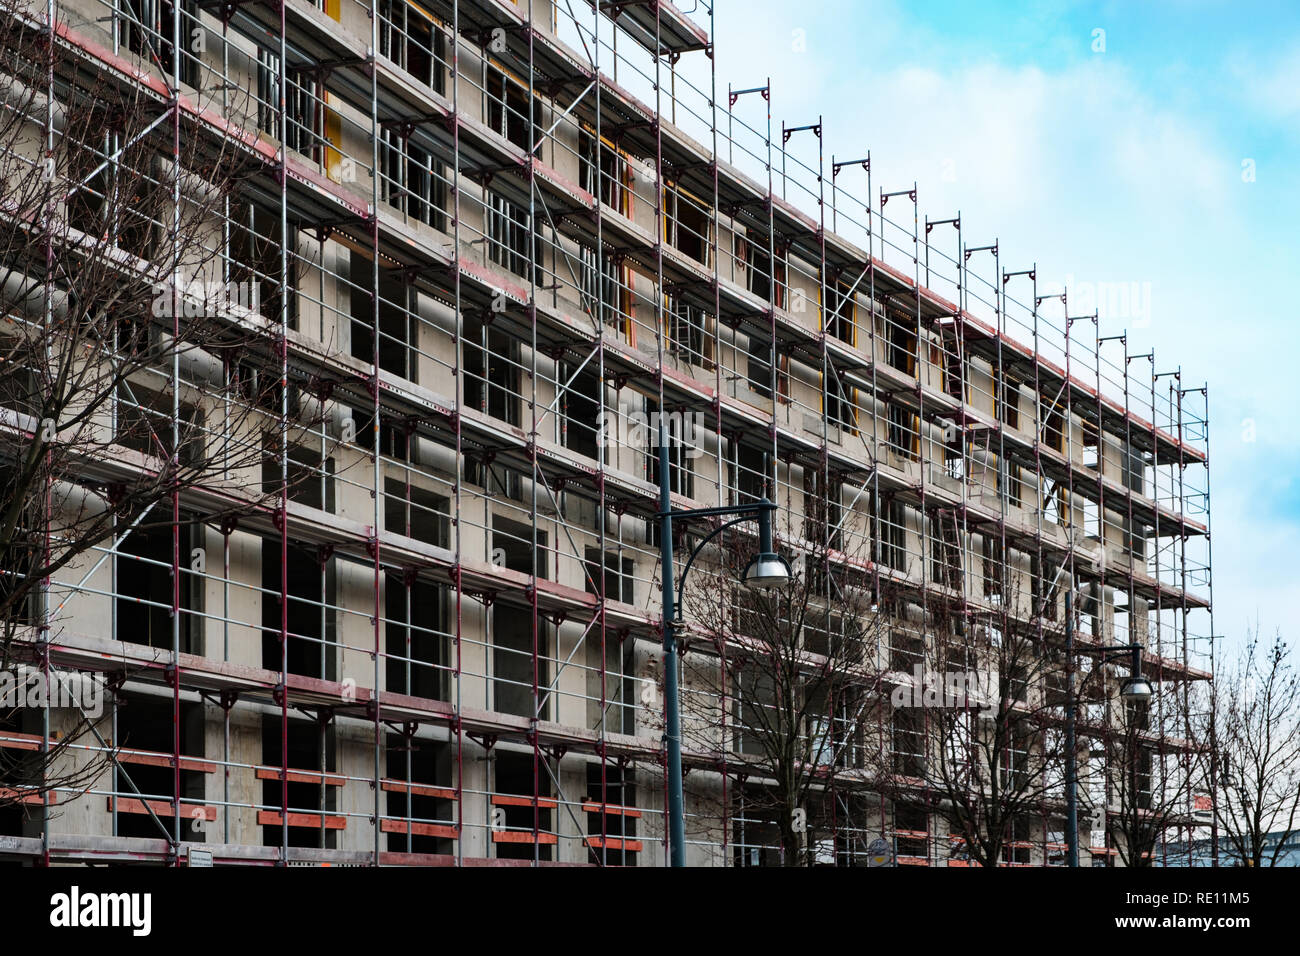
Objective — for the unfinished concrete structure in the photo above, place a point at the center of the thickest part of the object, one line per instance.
(511, 228)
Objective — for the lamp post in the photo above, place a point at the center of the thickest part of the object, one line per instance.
(1135, 688)
(767, 569)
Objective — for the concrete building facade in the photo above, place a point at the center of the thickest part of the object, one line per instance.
(494, 240)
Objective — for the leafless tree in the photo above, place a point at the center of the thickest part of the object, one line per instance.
(981, 743)
(779, 683)
(136, 369)
(1147, 758)
(1253, 725)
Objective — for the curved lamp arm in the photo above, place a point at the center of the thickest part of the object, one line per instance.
(681, 581)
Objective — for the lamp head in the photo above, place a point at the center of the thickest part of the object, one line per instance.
(1136, 689)
(768, 569)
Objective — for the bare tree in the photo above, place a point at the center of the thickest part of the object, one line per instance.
(139, 364)
(980, 744)
(1253, 771)
(1149, 765)
(780, 682)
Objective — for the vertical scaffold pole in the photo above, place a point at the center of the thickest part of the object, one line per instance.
(458, 332)
(283, 508)
(174, 107)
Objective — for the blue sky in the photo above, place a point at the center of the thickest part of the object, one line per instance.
(1115, 165)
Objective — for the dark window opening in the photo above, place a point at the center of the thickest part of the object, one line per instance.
(892, 535)
(304, 106)
(255, 263)
(906, 650)
(145, 28)
(612, 185)
(953, 369)
(409, 38)
(911, 832)
(1056, 687)
(1135, 470)
(841, 318)
(748, 474)
(603, 291)
(688, 226)
(761, 275)
(1021, 848)
(491, 371)
(398, 325)
(616, 575)
(415, 622)
(688, 332)
(904, 435)
(498, 480)
(508, 232)
(753, 692)
(413, 182)
(144, 424)
(517, 781)
(18, 768)
(947, 554)
(311, 585)
(1008, 399)
(395, 441)
(20, 382)
(21, 560)
(1016, 757)
(507, 109)
(429, 800)
(307, 480)
(611, 815)
(823, 508)
(311, 748)
(144, 588)
(512, 628)
(907, 742)
(582, 405)
(513, 548)
(1010, 481)
(145, 723)
(1017, 680)
(417, 513)
(118, 194)
(1054, 430)
(994, 566)
(758, 369)
(902, 347)
(681, 454)
(841, 402)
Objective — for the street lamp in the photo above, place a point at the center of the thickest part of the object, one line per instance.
(1135, 689)
(767, 569)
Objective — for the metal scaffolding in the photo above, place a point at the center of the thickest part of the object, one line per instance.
(497, 237)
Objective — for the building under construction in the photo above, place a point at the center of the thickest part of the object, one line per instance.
(492, 243)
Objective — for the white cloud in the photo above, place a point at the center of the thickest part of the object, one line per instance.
(1272, 87)
(1078, 168)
